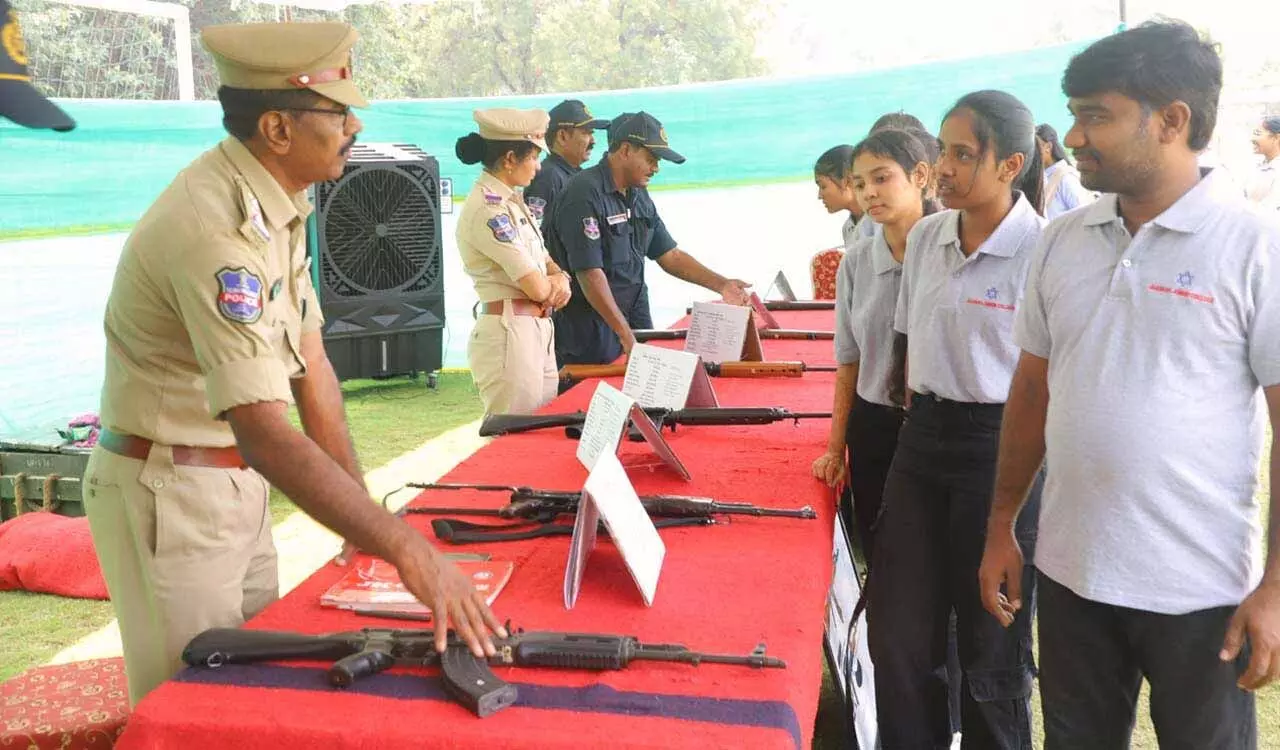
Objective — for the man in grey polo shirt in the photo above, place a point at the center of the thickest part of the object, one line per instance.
(1151, 342)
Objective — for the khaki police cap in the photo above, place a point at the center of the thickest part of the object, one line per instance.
(286, 56)
(513, 125)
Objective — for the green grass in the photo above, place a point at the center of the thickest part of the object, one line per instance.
(388, 418)
(391, 417)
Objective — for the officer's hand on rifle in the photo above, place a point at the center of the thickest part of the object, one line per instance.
(453, 599)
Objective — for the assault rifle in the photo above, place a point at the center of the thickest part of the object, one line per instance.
(792, 304)
(672, 334)
(454, 531)
(506, 424)
(574, 373)
(544, 506)
(467, 679)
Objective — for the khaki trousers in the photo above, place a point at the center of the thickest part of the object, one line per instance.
(182, 549)
(513, 362)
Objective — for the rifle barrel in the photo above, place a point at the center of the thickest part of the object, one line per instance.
(496, 512)
(450, 486)
(669, 652)
(753, 510)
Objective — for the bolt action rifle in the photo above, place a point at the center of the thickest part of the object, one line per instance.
(506, 424)
(575, 373)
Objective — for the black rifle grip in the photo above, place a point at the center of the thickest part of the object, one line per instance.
(471, 683)
(347, 670)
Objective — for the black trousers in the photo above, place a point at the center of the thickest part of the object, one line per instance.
(927, 551)
(1093, 657)
(871, 438)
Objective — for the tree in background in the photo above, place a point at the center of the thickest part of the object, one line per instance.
(436, 49)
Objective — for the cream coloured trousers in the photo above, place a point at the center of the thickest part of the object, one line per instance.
(182, 549)
(513, 362)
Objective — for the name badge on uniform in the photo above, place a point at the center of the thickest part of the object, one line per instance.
(616, 219)
(591, 228)
(502, 228)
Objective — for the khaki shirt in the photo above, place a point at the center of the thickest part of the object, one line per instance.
(211, 297)
(499, 240)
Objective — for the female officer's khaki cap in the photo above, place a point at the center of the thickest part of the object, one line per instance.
(286, 56)
(513, 125)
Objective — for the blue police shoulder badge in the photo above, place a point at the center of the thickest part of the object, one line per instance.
(239, 295)
(502, 228)
(536, 205)
(491, 197)
(591, 228)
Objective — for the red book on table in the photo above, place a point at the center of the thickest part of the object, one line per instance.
(374, 586)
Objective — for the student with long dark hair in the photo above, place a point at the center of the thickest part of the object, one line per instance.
(831, 173)
(891, 179)
(1062, 188)
(962, 279)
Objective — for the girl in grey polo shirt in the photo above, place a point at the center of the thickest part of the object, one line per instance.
(962, 279)
(891, 177)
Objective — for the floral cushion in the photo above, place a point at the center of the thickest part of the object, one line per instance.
(822, 270)
(67, 706)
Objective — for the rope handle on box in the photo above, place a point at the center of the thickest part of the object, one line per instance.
(50, 502)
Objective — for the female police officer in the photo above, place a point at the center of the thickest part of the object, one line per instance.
(512, 347)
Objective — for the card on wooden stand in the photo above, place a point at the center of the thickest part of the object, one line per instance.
(608, 497)
(612, 414)
(723, 333)
(765, 314)
(667, 378)
(783, 286)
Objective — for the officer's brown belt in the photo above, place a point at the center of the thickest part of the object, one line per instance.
(131, 446)
(518, 307)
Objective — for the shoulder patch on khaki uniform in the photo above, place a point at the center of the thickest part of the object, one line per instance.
(239, 294)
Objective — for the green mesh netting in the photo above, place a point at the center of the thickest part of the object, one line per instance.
(122, 154)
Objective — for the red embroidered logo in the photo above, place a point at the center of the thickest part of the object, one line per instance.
(992, 301)
(1184, 282)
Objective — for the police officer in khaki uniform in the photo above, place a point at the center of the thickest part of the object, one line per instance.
(512, 348)
(212, 329)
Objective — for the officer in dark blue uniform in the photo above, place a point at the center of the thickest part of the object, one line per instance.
(20, 101)
(601, 229)
(570, 137)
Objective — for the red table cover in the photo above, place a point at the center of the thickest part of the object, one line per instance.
(723, 588)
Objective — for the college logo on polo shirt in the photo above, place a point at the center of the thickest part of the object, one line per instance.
(992, 300)
(1183, 287)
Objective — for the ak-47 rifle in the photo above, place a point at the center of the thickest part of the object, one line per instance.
(777, 305)
(672, 334)
(506, 424)
(544, 506)
(467, 679)
(575, 373)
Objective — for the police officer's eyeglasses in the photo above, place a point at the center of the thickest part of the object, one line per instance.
(345, 111)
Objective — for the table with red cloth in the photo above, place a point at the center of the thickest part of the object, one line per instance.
(723, 588)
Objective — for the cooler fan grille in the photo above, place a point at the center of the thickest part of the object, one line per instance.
(380, 230)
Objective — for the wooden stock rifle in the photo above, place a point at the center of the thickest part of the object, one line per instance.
(575, 373)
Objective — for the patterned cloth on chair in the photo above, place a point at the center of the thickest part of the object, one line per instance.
(822, 271)
(73, 706)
